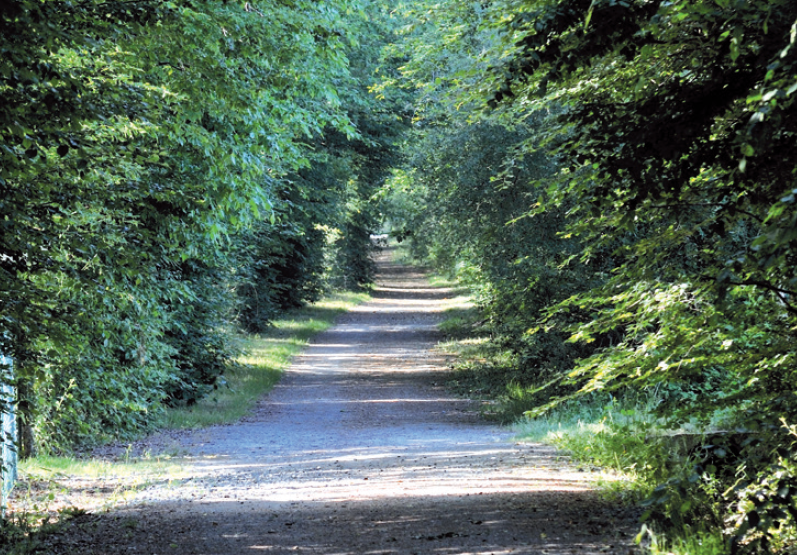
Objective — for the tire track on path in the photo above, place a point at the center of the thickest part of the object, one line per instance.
(360, 450)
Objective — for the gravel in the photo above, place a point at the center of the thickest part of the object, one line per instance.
(361, 450)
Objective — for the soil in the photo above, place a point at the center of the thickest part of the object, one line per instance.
(361, 450)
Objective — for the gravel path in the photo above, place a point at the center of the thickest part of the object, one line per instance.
(360, 450)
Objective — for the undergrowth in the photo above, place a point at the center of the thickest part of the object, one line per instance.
(621, 432)
(51, 489)
(268, 354)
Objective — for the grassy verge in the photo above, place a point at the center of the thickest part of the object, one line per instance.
(620, 434)
(53, 489)
(268, 354)
(700, 543)
(50, 489)
(601, 432)
(49, 485)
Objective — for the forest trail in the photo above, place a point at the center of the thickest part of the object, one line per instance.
(360, 450)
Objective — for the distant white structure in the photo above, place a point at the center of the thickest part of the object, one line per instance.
(380, 240)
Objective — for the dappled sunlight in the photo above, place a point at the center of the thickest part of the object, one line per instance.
(386, 467)
(478, 522)
(361, 450)
(414, 291)
(391, 328)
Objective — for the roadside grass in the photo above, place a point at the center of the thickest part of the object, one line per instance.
(648, 464)
(699, 543)
(620, 434)
(50, 489)
(606, 433)
(52, 468)
(437, 280)
(268, 354)
(461, 324)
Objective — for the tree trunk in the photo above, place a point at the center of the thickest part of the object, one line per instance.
(25, 410)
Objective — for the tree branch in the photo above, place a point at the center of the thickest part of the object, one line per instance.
(783, 294)
(710, 205)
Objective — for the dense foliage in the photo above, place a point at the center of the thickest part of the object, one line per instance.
(158, 165)
(668, 204)
(613, 178)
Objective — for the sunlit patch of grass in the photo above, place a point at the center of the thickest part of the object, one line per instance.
(49, 487)
(267, 355)
(465, 337)
(609, 434)
(556, 424)
(695, 543)
(437, 280)
(589, 439)
(469, 347)
(461, 317)
(53, 468)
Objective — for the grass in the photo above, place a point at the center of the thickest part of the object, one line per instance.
(606, 434)
(626, 437)
(699, 543)
(268, 354)
(51, 468)
(437, 280)
(52, 488)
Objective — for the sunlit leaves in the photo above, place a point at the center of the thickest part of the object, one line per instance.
(672, 125)
(138, 141)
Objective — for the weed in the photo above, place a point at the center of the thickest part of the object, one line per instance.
(695, 542)
(22, 533)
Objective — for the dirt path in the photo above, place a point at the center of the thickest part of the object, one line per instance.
(360, 450)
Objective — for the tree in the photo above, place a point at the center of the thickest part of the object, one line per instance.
(675, 120)
(130, 163)
(666, 126)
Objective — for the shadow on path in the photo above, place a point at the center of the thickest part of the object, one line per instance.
(360, 450)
